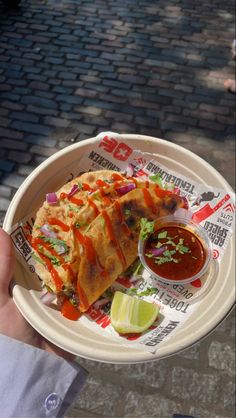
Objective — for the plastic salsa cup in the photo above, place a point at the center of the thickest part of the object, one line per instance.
(177, 251)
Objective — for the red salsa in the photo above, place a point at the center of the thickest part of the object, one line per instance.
(174, 253)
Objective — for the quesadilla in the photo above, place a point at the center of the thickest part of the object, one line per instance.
(110, 244)
(86, 234)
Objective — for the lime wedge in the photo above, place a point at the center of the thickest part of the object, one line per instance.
(131, 315)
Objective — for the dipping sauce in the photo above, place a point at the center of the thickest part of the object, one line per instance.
(174, 253)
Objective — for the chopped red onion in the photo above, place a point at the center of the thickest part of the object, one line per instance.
(158, 251)
(47, 298)
(46, 230)
(51, 198)
(126, 189)
(74, 189)
(99, 303)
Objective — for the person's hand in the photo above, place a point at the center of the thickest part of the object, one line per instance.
(12, 323)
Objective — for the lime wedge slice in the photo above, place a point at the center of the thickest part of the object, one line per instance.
(132, 315)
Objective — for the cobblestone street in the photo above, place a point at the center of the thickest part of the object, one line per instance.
(70, 69)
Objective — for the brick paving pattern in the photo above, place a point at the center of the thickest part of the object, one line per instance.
(71, 69)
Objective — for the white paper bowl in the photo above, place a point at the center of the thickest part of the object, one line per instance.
(74, 336)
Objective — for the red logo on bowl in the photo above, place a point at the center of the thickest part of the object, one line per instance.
(120, 151)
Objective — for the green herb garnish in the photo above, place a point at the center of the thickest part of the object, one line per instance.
(156, 178)
(37, 258)
(55, 242)
(147, 227)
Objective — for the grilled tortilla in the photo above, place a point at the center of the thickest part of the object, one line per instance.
(110, 245)
(56, 251)
(84, 241)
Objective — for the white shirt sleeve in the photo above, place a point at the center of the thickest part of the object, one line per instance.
(35, 383)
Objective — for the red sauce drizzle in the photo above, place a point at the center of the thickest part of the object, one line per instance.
(90, 251)
(87, 187)
(162, 193)
(113, 238)
(116, 176)
(76, 201)
(86, 242)
(69, 311)
(56, 278)
(69, 269)
(149, 201)
(55, 221)
(101, 183)
(93, 205)
(72, 199)
(83, 300)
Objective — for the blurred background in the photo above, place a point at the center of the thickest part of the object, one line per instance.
(72, 69)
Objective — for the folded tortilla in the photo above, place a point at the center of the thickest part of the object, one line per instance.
(57, 258)
(110, 245)
(84, 241)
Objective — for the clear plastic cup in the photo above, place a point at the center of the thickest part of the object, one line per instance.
(197, 231)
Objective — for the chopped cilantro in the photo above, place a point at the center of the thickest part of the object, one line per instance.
(147, 228)
(148, 292)
(74, 208)
(156, 178)
(149, 255)
(162, 235)
(55, 242)
(53, 259)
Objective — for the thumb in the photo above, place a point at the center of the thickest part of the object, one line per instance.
(7, 261)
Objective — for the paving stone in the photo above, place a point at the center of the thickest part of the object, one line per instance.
(138, 405)
(188, 384)
(5, 191)
(19, 156)
(222, 356)
(4, 203)
(12, 180)
(99, 397)
(33, 128)
(41, 150)
(6, 165)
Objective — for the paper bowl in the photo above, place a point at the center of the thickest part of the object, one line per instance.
(197, 230)
(74, 336)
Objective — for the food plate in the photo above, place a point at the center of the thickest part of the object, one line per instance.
(75, 337)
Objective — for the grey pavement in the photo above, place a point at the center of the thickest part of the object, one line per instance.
(71, 69)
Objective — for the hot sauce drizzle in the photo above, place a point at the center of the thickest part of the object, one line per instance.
(113, 238)
(149, 200)
(62, 225)
(162, 193)
(83, 300)
(101, 183)
(93, 205)
(116, 176)
(72, 199)
(56, 278)
(69, 311)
